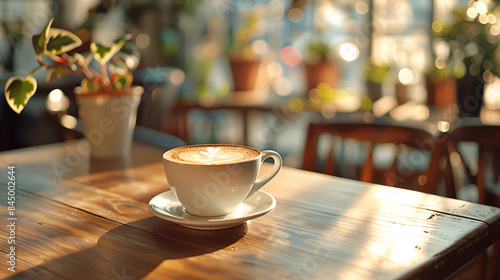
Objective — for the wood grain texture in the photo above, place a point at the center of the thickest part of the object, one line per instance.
(93, 223)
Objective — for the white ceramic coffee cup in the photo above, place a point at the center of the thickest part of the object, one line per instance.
(217, 188)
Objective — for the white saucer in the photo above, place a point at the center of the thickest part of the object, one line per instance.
(166, 206)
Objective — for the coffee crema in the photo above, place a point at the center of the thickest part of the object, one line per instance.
(212, 154)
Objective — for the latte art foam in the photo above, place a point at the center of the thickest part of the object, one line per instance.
(212, 154)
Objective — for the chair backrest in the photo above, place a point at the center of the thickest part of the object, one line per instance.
(411, 147)
(479, 155)
(481, 159)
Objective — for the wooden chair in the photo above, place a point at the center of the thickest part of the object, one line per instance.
(474, 151)
(479, 156)
(414, 164)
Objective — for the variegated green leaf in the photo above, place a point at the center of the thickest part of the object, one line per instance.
(122, 39)
(89, 86)
(104, 53)
(18, 91)
(122, 81)
(40, 40)
(60, 41)
(57, 72)
(101, 53)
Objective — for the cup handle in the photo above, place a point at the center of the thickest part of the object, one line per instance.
(259, 183)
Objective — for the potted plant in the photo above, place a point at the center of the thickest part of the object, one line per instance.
(243, 60)
(441, 85)
(473, 54)
(375, 75)
(319, 66)
(107, 101)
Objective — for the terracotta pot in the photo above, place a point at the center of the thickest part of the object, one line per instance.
(109, 119)
(402, 93)
(244, 73)
(322, 72)
(441, 94)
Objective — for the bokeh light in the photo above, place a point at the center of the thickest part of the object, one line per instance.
(314, 95)
(177, 77)
(483, 19)
(328, 110)
(361, 8)
(383, 105)
(57, 101)
(494, 30)
(441, 48)
(459, 70)
(410, 111)
(275, 9)
(283, 86)
(366, 103)
(296, 104)
(480, 7)
(291, 55)
(405, 76)
(259, 47)
(295, 15)
(492, 19)
(443, 126)
(142, 40)
(274, 69)
(440, 62)
(437, 26)
(69, 122)
(492, 94)
(422, 179)
(471, 14)
(349, 51)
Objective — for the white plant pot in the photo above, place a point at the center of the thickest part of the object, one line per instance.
(109, 119)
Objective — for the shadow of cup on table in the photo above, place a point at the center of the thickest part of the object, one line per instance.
(143, 245)
(133, 250)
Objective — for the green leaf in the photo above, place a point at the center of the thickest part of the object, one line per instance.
(40, 40)
(60, 41)
(89, 86)
(104, 53)
(122, 81)
(101, 53)
(18, 91)
(122, 39)
(56, 72)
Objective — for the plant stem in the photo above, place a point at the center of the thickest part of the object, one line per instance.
(88, 72)
(104, 75)
(35, 70)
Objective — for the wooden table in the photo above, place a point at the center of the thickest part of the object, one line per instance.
(81, 219)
